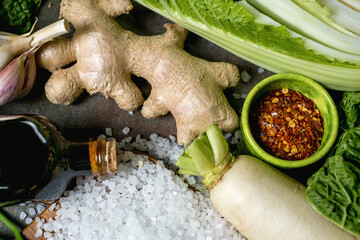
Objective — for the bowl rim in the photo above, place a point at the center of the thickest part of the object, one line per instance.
(267, 157)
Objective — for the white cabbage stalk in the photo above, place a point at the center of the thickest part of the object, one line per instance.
(323, 13)
(17, 60)
(343, 15)
(328, 52)
(306, 24)
(354, 4)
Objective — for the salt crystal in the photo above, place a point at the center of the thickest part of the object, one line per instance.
(261, 70)
(47, 235)
(28, 220)
(47, 227)
(22, 204)
(191, 180)
(154, 136)
(22, 215)
(51, 208)
(79, 180)
(108, 131)
(98, 198)
(131, 112)
(32, 211)
(227, 135)
(40, 208)
(245, 76)
(126, 130)
(139, 147)
(234, 141)
(236, 96)
(219, 226)
(38, 233)
(172, 138)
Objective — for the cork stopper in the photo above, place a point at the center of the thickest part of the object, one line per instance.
(102, 154)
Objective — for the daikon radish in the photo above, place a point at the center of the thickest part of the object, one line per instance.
(259, 200)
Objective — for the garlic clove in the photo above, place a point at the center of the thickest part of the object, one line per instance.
(12, 79)
(30, 74)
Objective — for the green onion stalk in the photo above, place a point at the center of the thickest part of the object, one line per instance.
(8, 223)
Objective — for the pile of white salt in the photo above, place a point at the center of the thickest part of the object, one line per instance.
(143, 201)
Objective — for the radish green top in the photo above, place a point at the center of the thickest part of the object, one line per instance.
(208, 156)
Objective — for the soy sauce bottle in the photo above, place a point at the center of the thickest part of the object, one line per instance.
(33, 151)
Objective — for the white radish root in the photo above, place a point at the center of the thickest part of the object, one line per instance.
(265, 204)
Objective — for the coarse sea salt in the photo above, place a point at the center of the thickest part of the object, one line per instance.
(40, 208)
(245, 76)
(237, 96)
(28, 220)
(22, 215)
(143, 201)
(261, 70)
(126, 130)
(108, 131)
(32, 211)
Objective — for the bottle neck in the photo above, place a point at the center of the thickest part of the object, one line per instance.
(98, 155)
(77, 156)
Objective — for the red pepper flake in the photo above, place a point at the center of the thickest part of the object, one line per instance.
(289, 125)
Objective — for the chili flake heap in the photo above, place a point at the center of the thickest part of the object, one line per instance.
(289, 125)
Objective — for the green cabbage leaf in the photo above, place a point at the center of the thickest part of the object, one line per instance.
(334, 191)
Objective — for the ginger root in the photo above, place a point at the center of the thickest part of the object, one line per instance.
(106, 55)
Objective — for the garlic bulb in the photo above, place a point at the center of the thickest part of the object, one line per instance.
(17, 78)
(17, 60)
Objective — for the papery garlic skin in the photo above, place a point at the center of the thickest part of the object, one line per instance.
(12, 79)
(12, 49)
(30, 74)
(16, 45)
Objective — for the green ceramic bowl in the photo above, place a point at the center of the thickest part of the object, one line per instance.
(310, 89)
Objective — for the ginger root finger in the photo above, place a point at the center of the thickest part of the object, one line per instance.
(114, 8)
(153, 107)
(59, 53)
(129, 99)
(63, 86)
(227, 75)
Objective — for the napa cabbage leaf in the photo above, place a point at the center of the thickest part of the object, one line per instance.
(232, 26)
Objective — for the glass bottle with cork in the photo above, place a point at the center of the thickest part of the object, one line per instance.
(33, 151)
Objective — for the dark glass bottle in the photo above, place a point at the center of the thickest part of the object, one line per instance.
(32, 151)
